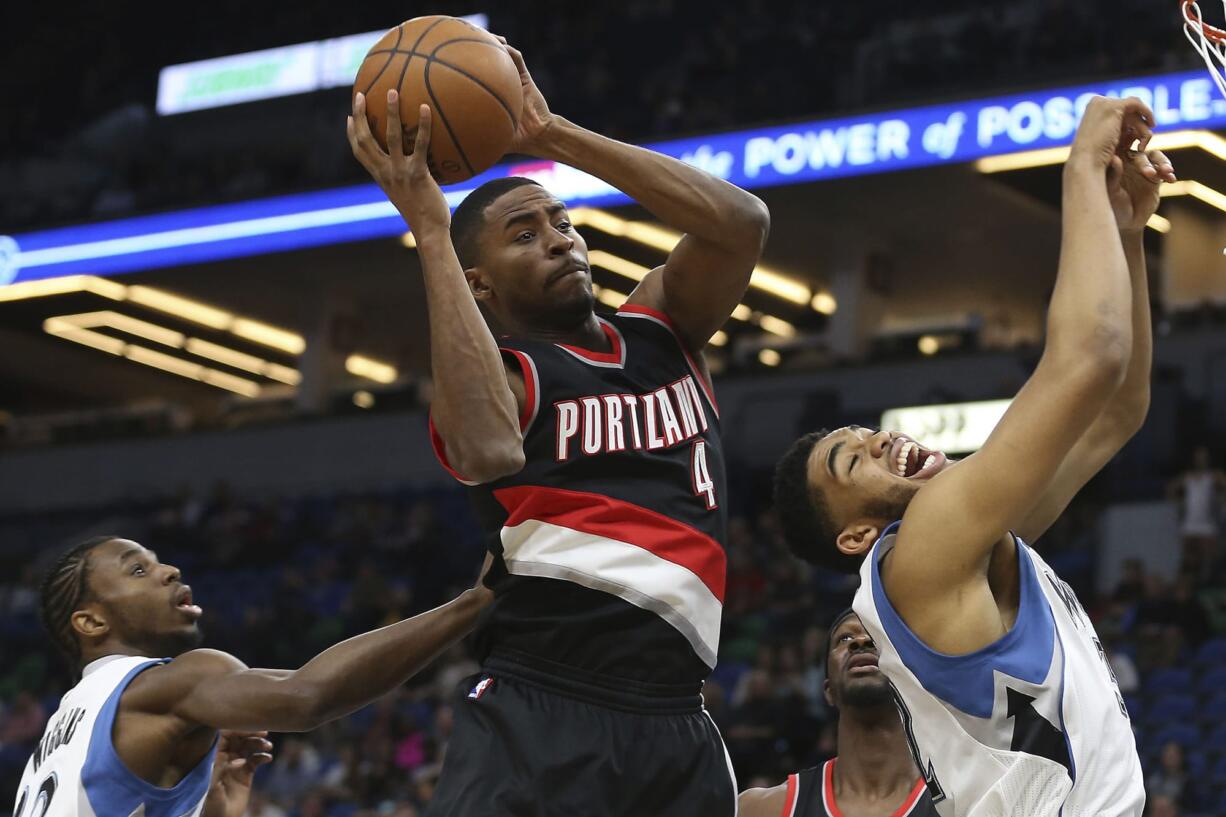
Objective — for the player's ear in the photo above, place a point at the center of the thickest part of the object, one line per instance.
(479, 284)
(827, 694)
(857, 538)
(90, 622)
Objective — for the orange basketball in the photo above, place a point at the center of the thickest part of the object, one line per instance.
(466, 77)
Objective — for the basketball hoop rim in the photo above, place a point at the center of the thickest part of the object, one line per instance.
(1191, 16)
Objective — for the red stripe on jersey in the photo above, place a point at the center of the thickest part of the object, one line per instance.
(610, 518)
(789, 804)
(832, 808)
(528, 410)
(912, 799)
(639, 309)
(440, 452)
(617, 353)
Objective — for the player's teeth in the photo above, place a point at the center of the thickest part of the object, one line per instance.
(931, 459)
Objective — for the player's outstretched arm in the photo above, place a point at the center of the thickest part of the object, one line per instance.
(1134, 198)
(952, 526)
(724, 227)
(475, 410)
(215, 689)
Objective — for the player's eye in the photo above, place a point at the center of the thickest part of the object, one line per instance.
(138, 570)
(526, 235)
(564, 226)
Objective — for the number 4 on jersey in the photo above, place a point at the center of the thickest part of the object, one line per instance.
(704, 486)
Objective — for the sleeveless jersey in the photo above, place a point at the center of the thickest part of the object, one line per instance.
(810, 793)
(1031, 725)
(75, 772)
(609, 544)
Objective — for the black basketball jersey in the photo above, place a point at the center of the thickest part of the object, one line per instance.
(811, 794)
(609, 543)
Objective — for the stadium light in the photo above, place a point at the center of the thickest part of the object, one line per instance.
(1207, 141)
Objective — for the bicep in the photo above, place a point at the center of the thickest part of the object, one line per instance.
(762, 802)
(442, 414)
(249, 699)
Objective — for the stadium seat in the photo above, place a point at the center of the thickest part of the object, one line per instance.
(1171, 708)
(1168, 680)
(1212, 652)
(1136, 707)
(1213, 707)
(1217, 773)
(1183, 734)
(1212, 680)
(1216, 742)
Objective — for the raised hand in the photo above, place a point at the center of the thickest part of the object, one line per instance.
(1108, 130)
(536, 119)
(1133, 185)
(406, 179)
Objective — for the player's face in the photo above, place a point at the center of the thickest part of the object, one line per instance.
(853, 678)
(144, 602)
(870, 476)
(533, 261)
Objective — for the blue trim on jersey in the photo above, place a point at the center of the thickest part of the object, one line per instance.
(1068, 742)
(966, 681)
(114, 791)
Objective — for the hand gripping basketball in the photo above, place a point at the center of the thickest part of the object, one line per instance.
(406, 179)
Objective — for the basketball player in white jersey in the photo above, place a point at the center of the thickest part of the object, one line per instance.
(1003, 686)
(874, 773)
(136, 737)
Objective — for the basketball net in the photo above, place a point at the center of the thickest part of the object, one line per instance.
(1209, 41)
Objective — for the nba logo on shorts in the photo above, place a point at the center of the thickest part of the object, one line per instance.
(480, 688)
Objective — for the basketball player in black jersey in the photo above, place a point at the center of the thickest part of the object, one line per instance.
(874, 773)
(592, 448)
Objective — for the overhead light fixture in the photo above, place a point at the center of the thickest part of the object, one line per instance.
(720, 338)
(609, 297)
(664, 239)
(1196, 190)
(777, 326)
(769, 357)
(824, 303)
(929, 345)
(363, 399)
(1157, 222)
(371, 369)
(408, 241)
(183, 308)
(637, 272)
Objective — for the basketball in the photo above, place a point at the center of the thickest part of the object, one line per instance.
(466, 77)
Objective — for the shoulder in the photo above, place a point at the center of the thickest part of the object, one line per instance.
(158, 688)
(763, 802)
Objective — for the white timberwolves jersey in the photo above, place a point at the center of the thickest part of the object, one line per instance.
(75, 772)
(1032, 725)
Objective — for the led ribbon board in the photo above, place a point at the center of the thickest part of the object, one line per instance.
(291, 69)
(764, 157)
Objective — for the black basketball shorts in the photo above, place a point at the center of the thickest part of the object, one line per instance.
(527, 745)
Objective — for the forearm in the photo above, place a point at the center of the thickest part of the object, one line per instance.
(1089, 320)
(683, 197)
(334, 683)
(1133, 395)
(474, 407)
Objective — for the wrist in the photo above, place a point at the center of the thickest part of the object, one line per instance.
(549, 142)
(1080, 164)
(425, 230)
(1132, 233)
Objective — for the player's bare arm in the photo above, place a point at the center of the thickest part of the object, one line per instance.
(207, 690)
(724, 227)
(762, 802)
(1134, 198)
(943, 574)
(475, 408)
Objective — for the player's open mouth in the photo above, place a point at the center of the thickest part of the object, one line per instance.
(910, 460)
(864, 662)
(183, 602)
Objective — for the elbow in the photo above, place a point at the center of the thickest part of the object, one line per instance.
(492, 462)
(755, 218)
(1100, 357)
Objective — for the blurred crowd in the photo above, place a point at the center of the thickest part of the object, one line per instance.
(635, 70)
(282, 579)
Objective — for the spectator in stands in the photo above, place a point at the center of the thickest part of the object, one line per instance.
(1198, 492)
(1170, 779)
(1163, 806)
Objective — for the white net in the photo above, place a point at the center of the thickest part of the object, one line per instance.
(1208, 41)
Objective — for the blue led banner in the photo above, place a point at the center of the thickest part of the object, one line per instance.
(763, 157)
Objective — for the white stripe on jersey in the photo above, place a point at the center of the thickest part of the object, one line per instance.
(75, 772)
(1029, 726)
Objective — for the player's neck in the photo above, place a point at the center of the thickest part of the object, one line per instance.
(112, 650)
(873, 757)
(586, 335)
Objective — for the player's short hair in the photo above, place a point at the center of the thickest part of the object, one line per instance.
(65, 586)
(808, 528)
(469, 218)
